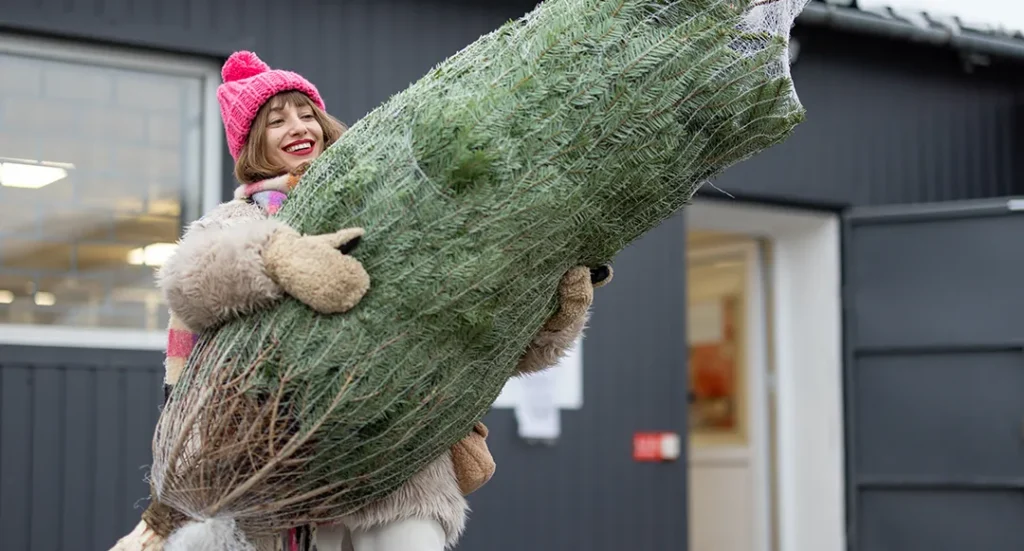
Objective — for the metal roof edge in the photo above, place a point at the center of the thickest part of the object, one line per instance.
(859, 21)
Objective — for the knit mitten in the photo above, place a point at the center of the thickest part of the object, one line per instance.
(575, 295)
(316, 269)
(473, 463)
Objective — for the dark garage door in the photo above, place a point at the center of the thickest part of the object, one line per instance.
(935, 377)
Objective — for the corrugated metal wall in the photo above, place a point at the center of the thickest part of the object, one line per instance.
(890, 122)
(586, 492)
(74, 432)
(887, 125)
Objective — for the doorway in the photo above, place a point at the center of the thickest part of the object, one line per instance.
(764, 328)
(729, 418)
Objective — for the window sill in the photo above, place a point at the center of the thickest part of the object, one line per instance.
(82, 337)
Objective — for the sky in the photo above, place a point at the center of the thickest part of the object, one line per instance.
(993, 13)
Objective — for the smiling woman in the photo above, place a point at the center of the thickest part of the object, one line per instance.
(291, 132)
(101, 166)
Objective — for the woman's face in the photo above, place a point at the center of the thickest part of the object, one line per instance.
(293, 136)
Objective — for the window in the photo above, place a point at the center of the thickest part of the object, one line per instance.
(718, 272)
(103, 160)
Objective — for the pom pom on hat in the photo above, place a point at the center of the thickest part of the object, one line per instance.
(242, 65)
(248, 83)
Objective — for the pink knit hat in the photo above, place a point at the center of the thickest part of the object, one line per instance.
(248, 83)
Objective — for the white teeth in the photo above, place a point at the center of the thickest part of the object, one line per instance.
(298, 147)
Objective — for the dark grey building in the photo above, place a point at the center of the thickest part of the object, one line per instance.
(913, 138)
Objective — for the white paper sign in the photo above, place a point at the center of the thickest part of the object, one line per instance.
(537, 413)
(565, 379)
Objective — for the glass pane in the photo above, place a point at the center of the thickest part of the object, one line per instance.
(95, 163)
(716, 334)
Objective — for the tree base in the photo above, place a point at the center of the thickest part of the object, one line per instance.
(142, 538)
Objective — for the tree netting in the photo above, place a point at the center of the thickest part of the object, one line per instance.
(552, 142)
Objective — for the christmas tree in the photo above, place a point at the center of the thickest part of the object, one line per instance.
(552, 142)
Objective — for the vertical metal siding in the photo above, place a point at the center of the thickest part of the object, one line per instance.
(586, 492)
(75, 427)
(890, 123)
(887, 123)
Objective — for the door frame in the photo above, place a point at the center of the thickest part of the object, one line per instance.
(805, 363)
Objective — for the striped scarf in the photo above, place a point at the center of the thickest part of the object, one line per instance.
(269, 194)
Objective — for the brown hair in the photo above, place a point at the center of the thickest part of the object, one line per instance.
(252, 164)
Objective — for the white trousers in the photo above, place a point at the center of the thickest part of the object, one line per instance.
(402, 535)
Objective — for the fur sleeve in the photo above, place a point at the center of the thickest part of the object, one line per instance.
(217, 271)
(548, 347)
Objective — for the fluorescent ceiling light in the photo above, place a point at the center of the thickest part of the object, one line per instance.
(29, 174)
(727, 264)
(45, 299)
(6, 297)
(152, 255)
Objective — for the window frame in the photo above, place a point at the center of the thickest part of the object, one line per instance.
(202, 195)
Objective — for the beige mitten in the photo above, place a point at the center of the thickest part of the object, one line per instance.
(317, 270)
(575, 295)
(472, 460)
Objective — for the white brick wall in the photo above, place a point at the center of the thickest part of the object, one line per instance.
(19, 78)
(17, 146)
(113, 192)
(112, 124)
(65, 82)
(142, 161)
(32, 116)
(13, 217)
(155, 93)
(84, 154)
(164, 130)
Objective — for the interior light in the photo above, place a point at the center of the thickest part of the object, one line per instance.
(6, 297)
(151, 255)
(45, 299)
(29, 174)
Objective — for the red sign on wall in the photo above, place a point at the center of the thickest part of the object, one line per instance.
(655, 446)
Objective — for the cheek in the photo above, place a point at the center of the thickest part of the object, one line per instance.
(270, 144)
(319, 134)
(275, 155)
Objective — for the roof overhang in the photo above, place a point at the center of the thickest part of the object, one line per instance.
(922, 30)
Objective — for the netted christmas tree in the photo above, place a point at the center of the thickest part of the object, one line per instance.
(552, 142)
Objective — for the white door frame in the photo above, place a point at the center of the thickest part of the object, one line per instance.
(805, 350)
